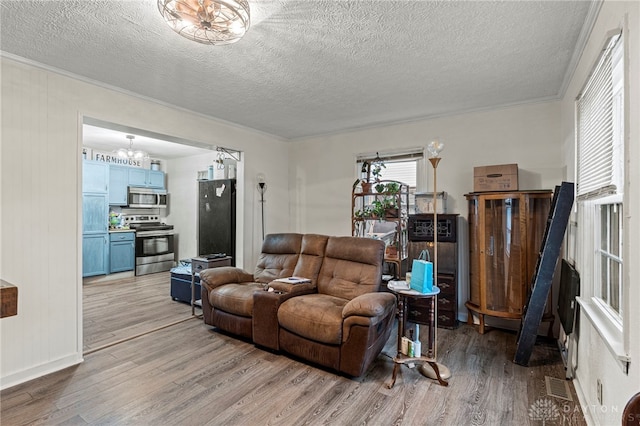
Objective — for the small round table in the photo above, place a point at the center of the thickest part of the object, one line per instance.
(429, 358)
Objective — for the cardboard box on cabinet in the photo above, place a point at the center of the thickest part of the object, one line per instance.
(502, 177)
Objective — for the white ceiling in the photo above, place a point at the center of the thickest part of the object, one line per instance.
(107, 138)
(314, 67)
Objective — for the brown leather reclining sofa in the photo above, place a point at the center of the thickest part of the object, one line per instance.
(338, 320)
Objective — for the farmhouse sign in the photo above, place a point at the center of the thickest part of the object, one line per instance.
(111, 158)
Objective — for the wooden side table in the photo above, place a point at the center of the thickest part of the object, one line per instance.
(429, 356)
(199, 264)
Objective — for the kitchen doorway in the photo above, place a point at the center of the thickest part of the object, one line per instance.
(120, 305)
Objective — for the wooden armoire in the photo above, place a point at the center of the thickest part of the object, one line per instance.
(506, 230)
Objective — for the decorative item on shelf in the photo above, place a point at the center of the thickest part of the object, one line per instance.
(422, 273)
(213, 22)
(130, 153)
(262, 188)
(218, 166)
(424, 202)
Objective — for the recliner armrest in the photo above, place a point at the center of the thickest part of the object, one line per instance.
(372, 310)
(265, 311)
(370, 305)
(293, 289)
(216, 277)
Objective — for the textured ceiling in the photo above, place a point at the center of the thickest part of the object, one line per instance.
(317, 66)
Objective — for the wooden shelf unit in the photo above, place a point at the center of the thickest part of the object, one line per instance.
(391, 227)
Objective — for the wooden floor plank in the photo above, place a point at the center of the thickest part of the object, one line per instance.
(191, 374)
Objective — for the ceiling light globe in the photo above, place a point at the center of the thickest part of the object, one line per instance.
(435, 147)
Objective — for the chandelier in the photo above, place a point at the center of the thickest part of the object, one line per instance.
(214, 22)
(130, 153)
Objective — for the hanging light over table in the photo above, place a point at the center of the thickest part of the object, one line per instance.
(214, 22)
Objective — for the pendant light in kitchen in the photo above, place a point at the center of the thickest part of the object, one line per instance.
(130, 153)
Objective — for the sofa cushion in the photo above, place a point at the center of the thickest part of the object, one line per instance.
(352, 266)
(316, 317)
(279, 256)
(235, 298)
(311, 256)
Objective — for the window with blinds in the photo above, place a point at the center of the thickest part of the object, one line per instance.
(400, 166)
(598, 127)
(600, 140)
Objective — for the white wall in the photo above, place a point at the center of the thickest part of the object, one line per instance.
(41, 248)
(323, 168)
(594, 361)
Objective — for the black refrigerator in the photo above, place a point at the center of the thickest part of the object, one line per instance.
(217, 217)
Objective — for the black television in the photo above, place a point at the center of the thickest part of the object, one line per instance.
(568, 290)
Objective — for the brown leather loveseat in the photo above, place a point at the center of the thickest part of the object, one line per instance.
(338, 320)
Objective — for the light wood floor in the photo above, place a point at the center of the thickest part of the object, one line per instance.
(190, 374)
(119, 309)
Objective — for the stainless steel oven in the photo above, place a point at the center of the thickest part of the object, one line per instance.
(154, 244)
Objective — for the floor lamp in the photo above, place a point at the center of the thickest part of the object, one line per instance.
(434, 149)
(262, 187)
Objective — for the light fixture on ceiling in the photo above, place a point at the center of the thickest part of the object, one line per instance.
(214, 22)
(130, 153)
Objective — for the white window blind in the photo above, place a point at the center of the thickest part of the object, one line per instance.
(403, 171)
(399, 166)
(596, 168)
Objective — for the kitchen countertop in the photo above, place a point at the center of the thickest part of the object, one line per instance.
(115, 230)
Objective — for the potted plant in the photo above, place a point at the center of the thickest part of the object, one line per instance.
(390, 207)
(392, 188)
(377, 209)
(371, 173)
(376, 168)
(391, 250)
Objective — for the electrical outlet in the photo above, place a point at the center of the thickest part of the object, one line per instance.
(599, 391)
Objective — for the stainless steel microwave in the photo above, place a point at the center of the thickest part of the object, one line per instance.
(146, 198)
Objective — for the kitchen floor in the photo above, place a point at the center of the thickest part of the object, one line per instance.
(117, 310)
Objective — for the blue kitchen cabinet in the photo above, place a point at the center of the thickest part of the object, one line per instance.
(137, 177)
(95, 249)
(95, 237)
(95, 177)
(121, 251)
(156, 179)
(95, 213)
(146, 178)
(118, 182)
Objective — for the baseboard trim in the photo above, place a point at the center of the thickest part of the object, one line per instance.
(39, 371)
(583, 402)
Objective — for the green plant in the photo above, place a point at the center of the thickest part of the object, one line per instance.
(377, 208)
(376, 169)
(380, 187)
(391, 188)
(383, 207)
(365, 212)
